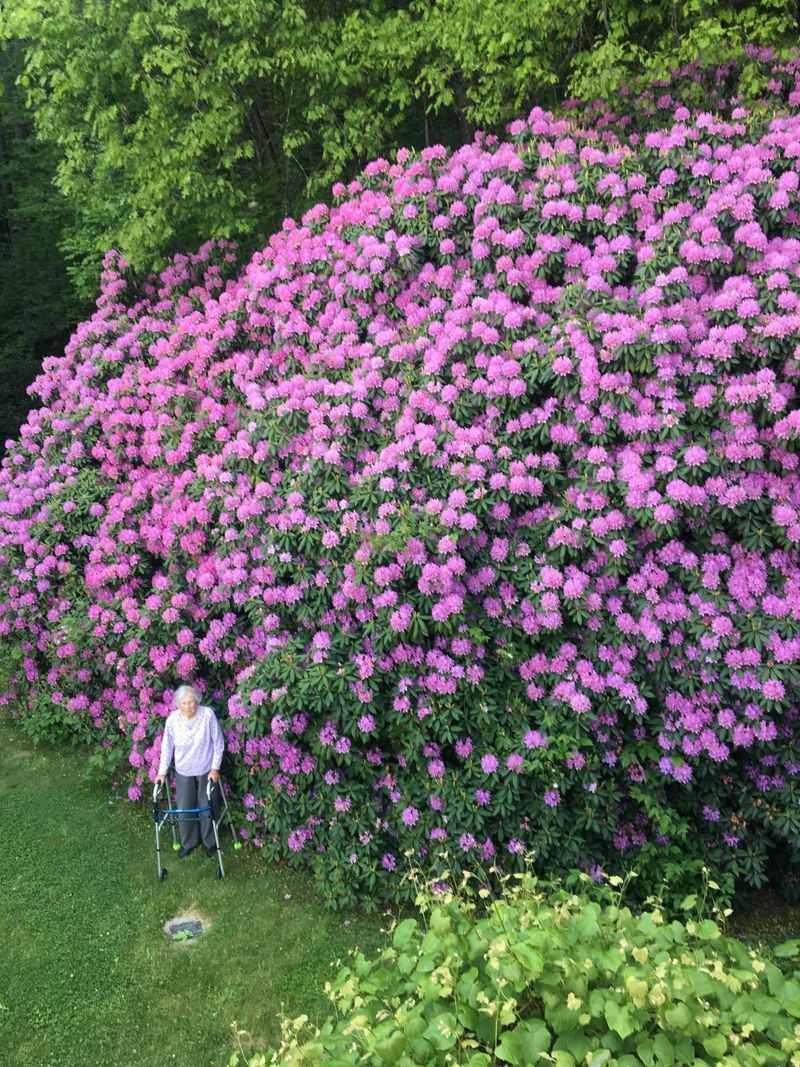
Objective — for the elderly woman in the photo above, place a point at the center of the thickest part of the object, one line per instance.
(193, 735)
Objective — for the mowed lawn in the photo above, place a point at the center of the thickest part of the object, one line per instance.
(87, 978)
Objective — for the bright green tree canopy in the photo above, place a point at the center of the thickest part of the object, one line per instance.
(179, 120)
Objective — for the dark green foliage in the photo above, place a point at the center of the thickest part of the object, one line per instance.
(37, 305)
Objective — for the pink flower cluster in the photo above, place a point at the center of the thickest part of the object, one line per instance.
(473, 498)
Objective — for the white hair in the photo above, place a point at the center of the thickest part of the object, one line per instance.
(185, 691)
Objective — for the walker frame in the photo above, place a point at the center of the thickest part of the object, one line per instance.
(162, 815)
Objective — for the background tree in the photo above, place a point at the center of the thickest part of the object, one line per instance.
(37, 304)
(177, 120)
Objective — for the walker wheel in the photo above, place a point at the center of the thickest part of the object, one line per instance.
(163, 874)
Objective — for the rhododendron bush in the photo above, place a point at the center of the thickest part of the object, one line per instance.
(472, 502)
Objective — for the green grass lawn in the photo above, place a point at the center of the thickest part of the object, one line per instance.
(87, 978)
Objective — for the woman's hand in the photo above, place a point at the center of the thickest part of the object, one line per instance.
(160, 779)
(213, 776)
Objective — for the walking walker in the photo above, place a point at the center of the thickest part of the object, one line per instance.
(172, 815)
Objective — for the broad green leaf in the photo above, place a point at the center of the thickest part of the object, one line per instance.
(644, 1050)
(708, 930)
(403, 933)
(715, 1046)
(443, 1031)
(576, 1043)
(789, 998)
(619, 1018)
(530, 959)
(522, 1045)
(598, 1058)
(678, 1016)
(664, 1052)
(390, 1049)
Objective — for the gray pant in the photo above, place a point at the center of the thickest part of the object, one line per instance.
(192, 793)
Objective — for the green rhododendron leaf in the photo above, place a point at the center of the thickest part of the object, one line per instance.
(788, 949)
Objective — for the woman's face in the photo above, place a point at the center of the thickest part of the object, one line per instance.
(187, 705)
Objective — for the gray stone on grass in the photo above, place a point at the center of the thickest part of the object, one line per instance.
(185, 929)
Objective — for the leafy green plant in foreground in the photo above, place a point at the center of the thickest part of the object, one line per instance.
(543, 975)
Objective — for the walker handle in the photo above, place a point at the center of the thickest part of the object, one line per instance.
(156, 790)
